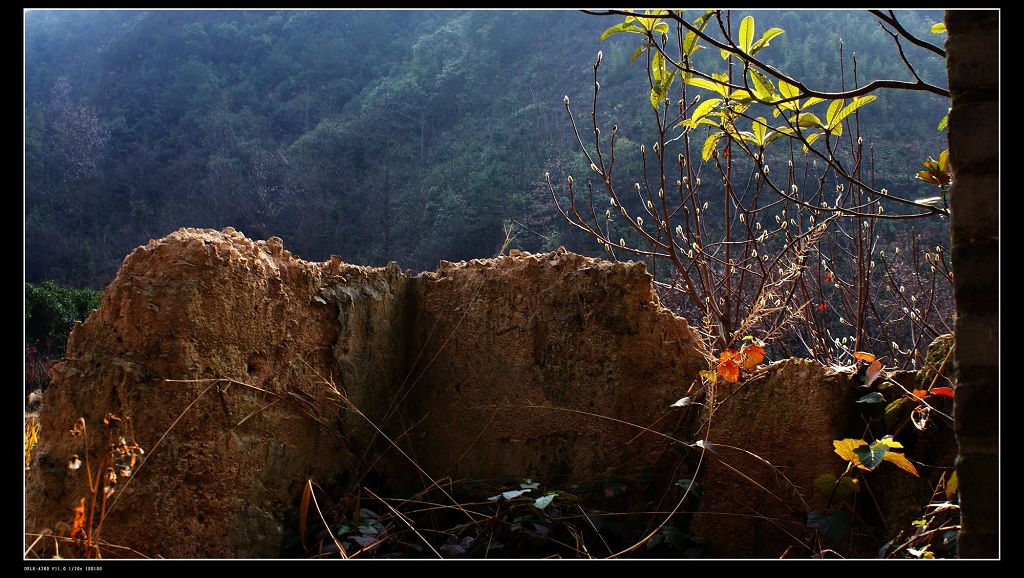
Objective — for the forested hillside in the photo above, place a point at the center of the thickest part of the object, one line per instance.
(401, 135)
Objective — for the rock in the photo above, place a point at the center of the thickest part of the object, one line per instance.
(238, 368)
(786, 416)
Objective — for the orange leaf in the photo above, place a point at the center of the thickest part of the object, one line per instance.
(729, 371)
(864, 356)
(78, 527)
(920, 393)
(728, 355)
(874, 370)
(943, 391)
(901, 461)
(754, 355)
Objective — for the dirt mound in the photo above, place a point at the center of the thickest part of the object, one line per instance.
(238, 368)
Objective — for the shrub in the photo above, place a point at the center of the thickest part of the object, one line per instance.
(51, 312)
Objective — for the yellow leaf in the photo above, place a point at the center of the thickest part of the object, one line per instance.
(890, 443)
(845, 449)
(901, 461)
(952, 486)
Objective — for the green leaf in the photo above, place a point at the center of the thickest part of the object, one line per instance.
(758, 127)
(943, 122)
(826, 484)
(661, 27)
(787, 90)
(690, 40)
(871, 456)
(725, 53)
(811, 102)
(639, 50)
(659, 92)
(873, 397)
(709, 145)
(834, 526)
(806, 119)
(929, 201)
(708, 84)
(690, 486)
(893, 413)
(747, 33)
(773, 136)
(763, 88)
(741, 95)
(702, 110)
(543, 501)
(944, 161)
(848, 109)
(623, 27)
(810, 139)
(765, 39)
(939, 28)
(747, 136)
(833, 110)
(675, 537)
(657, 67)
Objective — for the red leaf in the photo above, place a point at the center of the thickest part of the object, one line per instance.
(920, 393)
(943, 391)
(821, 307)
(864, 356)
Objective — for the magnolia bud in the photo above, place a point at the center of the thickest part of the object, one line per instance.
(600, 55)
(614, 204)
(569, 180)
(650, 206)
(565, 100)
(661, 193)
(640, 221)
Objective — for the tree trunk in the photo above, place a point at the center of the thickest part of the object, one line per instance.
(972, 49)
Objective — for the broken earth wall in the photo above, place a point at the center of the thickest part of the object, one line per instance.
(239, 367)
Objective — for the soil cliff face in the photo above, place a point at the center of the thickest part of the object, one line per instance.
(240, 368)
(540, 346)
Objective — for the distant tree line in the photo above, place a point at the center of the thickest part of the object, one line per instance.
(408, 135)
